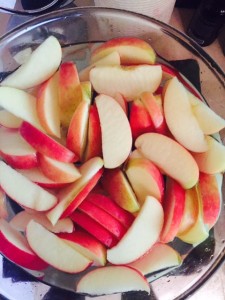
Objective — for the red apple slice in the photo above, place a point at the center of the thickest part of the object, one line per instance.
(54, 250)
(137, 238)
(112, 279)
(23, 191)
(8, 120)
(45, 144)
(15, 150)
(15, 247)
(116, 132)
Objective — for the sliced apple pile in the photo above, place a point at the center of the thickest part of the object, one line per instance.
(108, 164)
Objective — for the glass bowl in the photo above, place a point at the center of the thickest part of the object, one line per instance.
(77, 29)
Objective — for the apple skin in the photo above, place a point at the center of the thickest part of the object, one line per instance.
(45, 144)
(15, 247)
(8, 120)
(131, 50)
(173, 206)
(87, 245)
(112, 279)
(117, 186)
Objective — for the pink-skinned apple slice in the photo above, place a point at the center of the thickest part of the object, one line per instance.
(8, 120)
(111, 280)
(54, 250)
(21, 220)
(213, 160)
(15, 150)
(131, 50)
(102, 217)
(26, 110)
(46, 144)
(94, 136)
(140, 120)
(58, 171)
(71, 196)
(137, 238)
(94, 228)
(173, 206)
(159, 257)
(15, 247)
(180, 118)
(106, 203)
(172, 158)
(35, 197)
(122, 102)
(3, 206)
(116, 132)
(118, 188)
(48, 106)
(77, 133)
(130, 81)
(145, 179)
(45, 60)
(86, 244)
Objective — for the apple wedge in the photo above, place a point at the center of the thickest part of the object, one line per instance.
(137, 238)
(111, 280)
(15, 150)
(8, 120)
(72, 195)
(21, 104)
(159, 257)
(180, 118)
(45, 144)
(3, 205)
(14, 246)
(58, 171)
(87, 245)
(118, 188)
(48, 106)
(130, 81)
(213, 160)
(131, 50)
(41, 65)
(30, 195)
(54, 250)
(116, 132)
(172, 158)
(145, 179)
(21, 220)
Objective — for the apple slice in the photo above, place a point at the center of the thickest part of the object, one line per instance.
(137, 238)
(116, 132)
(21, 104)
(87, 245)
(159, 257)
(112, 279)
(145, 179)
(3, 205)
(8, 120)
(45, 144)
(130, 81)
(110, 206)
(213, 160)
(15, 247)
(173, 206)
(208, 120)
(131, 50)
(71, 196)
(41, 65)
(140, 120)
(15, 151)
(117, 186)
(58, 171)
(54, 250)
(48, 106)
(122, 101)
(30, 195)
(77, 132)
(21, 220)
(173, 159)
(180, 118)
